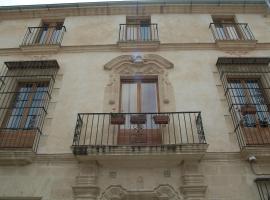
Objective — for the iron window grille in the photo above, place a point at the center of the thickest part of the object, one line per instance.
(246, 82)
(263, 185)
(25, 92)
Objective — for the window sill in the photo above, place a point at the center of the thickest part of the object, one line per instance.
(16, 157)
(236, 44)
(40, 48)
(138, 45)
(259, 151)
(174, 152)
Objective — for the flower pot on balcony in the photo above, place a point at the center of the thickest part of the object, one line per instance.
(138, 119)
(248, 109)
(117, 119)
(161, 119)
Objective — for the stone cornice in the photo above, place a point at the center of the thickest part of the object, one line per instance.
(70, 158)
(115, 48)
(128, 9)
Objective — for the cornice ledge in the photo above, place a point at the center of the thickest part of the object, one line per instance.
(188, 46)
(55, 158)
(115, 48)
(129, 9)
(85, 48)
(222, 156)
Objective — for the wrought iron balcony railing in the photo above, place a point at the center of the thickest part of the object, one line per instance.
(231, 31)
(138, 33)
(44, 35)
(105, 132)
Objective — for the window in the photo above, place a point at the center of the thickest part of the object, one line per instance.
(248, 99)
(138, 28)
(226, 27)
(263, 185)
(247, 88)
(139, 95)
(24, 98)
(25, 109)
(49, 32)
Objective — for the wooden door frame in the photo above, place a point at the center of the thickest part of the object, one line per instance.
(138, 20)
(140, 79)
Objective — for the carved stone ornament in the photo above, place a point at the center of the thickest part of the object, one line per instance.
(126, 65)
(116, 192)
(162, 192)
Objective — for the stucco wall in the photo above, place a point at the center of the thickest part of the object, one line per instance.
(12, 31)
(226, 179)
(101, 30)
(81, 82)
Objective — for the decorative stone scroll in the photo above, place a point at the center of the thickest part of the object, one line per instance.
(162, 192)
(149, 65)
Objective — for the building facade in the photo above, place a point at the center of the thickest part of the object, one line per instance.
(164, 100)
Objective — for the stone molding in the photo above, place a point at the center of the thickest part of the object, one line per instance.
(232, 45)
(115, 48)
(161, 192)
(69, 158)
(86, 182)
(193, 187)
(139, 46)
(129, 9)
(20, 198)
(40, 48)
(193, 192)
(16, 157)
(260, 152)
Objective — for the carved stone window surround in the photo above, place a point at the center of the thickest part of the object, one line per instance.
(151, 65)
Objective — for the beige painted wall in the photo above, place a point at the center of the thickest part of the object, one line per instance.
(12, 32)
(82, 80)
(183, 28)
(92, 30)
(258, 24)
(226, 179)
(101, 30)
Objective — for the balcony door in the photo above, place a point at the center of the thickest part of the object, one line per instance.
(49, 33)
(138, 29)
(139, 95)
(227, 28)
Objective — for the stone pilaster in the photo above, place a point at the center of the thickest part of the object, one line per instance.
(86, 182)
(193, 187)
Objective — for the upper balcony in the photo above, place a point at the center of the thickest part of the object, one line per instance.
(138, 35)
(170, 134)
(233, 35)
(43, 37)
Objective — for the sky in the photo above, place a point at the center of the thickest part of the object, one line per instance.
(31, 2)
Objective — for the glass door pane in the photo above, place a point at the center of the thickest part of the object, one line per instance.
(149, 102)
(149, 97)
(129, 98)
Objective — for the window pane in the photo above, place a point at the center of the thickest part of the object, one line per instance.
(258, 100)
(129, 97)
(149, 97)
(239, 97)
(18, 106)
